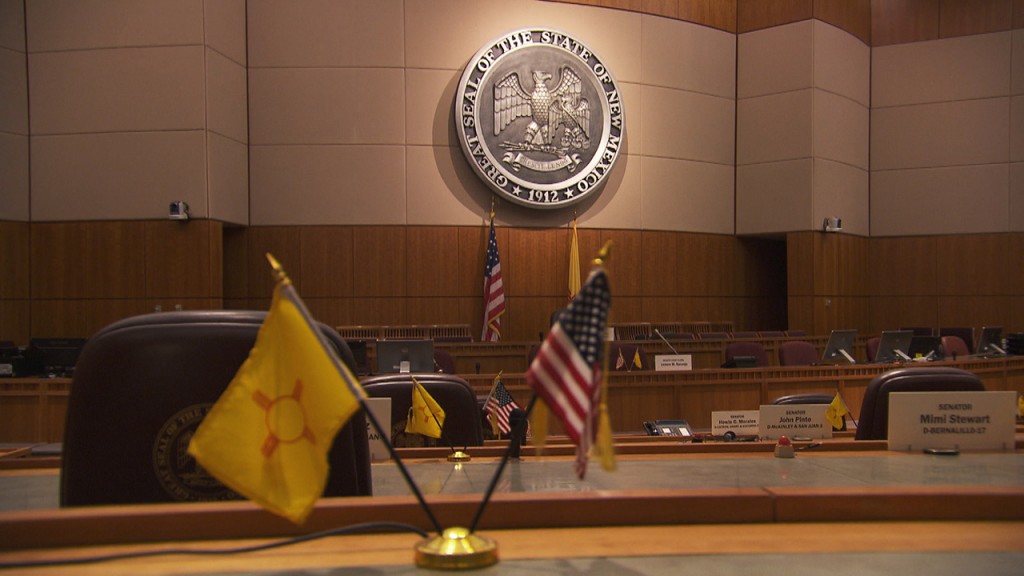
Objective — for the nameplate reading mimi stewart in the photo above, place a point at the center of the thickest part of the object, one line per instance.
(539, 117)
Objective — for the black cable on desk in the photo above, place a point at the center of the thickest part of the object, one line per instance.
(395, 526)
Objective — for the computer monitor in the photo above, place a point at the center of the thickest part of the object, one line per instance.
(404, 356)
(990, 341)
(927, 347)
(359, 354)
(894, 346)
(57, 356)
(840, 347)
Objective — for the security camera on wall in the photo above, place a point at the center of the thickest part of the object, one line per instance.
(178, 210)
(833, 224)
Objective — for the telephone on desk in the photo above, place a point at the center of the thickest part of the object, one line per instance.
(679, 428)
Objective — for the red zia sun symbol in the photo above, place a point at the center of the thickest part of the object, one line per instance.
(285, 419)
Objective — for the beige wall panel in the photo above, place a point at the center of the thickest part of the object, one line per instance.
(618, 205)
(688, 126)
(774, 128)
(1017, 197)
(633, 102)
(840, 129)
(960, 200)
(89, 24)
(14, 181)
(12, 25)
(117, 176)
(842, 63)
(937, 71)
(840, 190)
(227, 110)
(947, 134)
(775, 60)
(686, 56)
(774, 197)
(227, 180)
(690, 196)
(325, 33)
(327, 106)
(447, 33)
(429, 103)
(1017, 129)
(13, 92)
(125, 89)
(1017, 62)
(442, 189)
(225, 27)
(293, 185)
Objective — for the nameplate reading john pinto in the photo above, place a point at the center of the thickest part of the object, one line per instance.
(540, 118)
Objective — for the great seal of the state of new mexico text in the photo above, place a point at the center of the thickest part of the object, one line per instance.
(539, 117)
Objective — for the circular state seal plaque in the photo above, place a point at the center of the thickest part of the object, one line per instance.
(539, 117)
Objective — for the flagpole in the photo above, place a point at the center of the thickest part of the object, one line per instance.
(517, 437)
(357, 391)
(454, 455)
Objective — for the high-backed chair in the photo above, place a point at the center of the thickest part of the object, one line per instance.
(462, 424)
(443, 361)
(809, 398)
(874, 409)
(871, 347)
(141, 387)
(953, 346)
(965, 333)
(798, 353)
(734, 350)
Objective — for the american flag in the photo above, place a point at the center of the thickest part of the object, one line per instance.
(565, 372)
(499, 406)
(494, 290)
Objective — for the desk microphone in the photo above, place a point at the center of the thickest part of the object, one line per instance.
(663, 339)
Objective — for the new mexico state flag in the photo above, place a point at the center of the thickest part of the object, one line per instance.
(425, 416)
(268, 435)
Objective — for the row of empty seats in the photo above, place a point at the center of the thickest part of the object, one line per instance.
(435, 332)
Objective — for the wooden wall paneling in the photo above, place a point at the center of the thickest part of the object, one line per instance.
(659, 275)
(892, 312)
(331, 311)
(902, 266)
(285, 243)
(800, 313)
(759, 14)
(183, 259)
(370, 311)
(720, 14)
(436, 310)
(666, 8)
(538, 263)
(327, 261)
(590, 242)
(81, 318)
(800, 263)
(472, 250)
(976, 311)
(723, 262)
(432, 258)
(16, 321)
(762, 269)
(974, 264)
(1018, 14)
(528, 318)
(15, 267)
(381, 257)
(234, 255)
(88, 260)
(637, 403)
(625, 308)
(625, 267)
(655, 309)
(853, 16)
(902, 21)
(959, 18)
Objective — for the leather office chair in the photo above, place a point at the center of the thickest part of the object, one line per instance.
(874, 409)
(871, 347)
(462, 424)
(443, 361)
(734, 350)
(964, 333)
(954, 347)
(798, 353)
(809, 398)
(141, 387)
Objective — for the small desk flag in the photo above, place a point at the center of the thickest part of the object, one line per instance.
(268, 435)
(425, 417)
(835, 412)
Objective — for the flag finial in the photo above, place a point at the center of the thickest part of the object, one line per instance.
(604, 254)
(279, 274)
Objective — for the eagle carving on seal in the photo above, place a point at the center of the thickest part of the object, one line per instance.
(547, 109)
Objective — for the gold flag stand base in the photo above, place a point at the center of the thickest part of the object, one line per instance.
(458, 456)
(456, 549)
